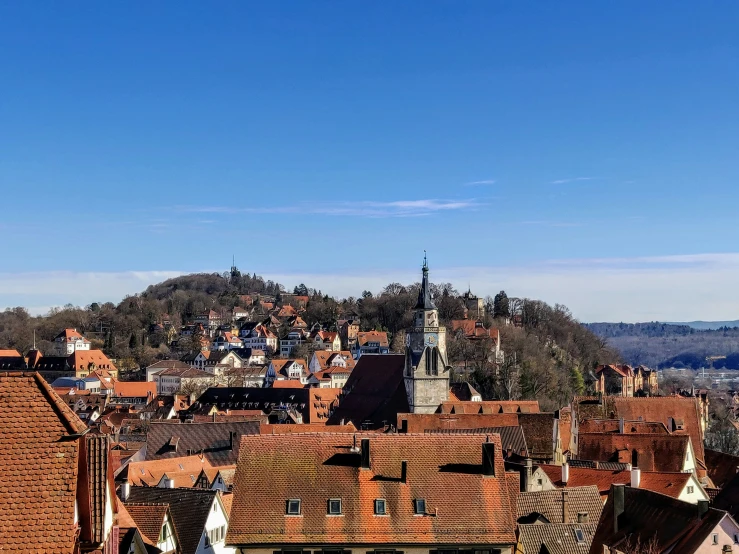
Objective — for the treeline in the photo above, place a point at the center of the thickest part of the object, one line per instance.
(548, 354)
(664, 345)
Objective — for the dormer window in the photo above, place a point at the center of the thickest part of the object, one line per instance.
(293, 507)
(380, 507)
(334, 507)
(420, 506)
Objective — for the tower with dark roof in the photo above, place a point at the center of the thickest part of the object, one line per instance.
(426, 371)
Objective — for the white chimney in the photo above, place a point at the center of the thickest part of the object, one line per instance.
(169, 483)
(565, 473)
(125, 490)
(621, 426)
(635, 477)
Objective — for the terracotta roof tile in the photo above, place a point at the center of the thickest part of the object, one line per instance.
(461, 505)
(149, 518)
(38, 489)
(556, 538)
(490, 407)
(183, 471)
(722, 467)
(664, 453)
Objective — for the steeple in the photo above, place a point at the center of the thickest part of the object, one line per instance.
(424, 295)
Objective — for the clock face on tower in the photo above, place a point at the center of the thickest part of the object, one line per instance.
(431, 340)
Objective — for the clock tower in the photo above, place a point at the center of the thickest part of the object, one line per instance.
(426, 371)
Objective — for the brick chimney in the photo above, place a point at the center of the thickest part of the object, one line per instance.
(488, 459)
(365, 453)
(565, 507)
(619, 504)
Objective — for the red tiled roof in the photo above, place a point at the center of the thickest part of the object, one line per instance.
(664, 453)
(372, 336)
(461, 505)
(149, 473)
(38, 481)
(663, 409)
(149, 519)
(288, 384)
(283, 428)
(490, 407)
(135, 389)
(630, 427)
(420, 423)
(82, 360)
(70, 335)
(9, 353)
(668, 483)
(474, 329)
(722, 467)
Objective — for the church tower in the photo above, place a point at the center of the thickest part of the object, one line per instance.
(426, 371)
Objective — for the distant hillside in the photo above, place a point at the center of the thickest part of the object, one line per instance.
(709, 325)
(547, 357)
(666, 345)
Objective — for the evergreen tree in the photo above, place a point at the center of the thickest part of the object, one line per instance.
(132, 343)
(576, 381)
(501, 306)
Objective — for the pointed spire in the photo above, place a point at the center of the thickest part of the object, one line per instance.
(424, 295)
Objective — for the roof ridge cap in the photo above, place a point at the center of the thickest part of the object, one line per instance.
(68, 417)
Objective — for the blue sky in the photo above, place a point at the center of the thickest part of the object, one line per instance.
(579, 152)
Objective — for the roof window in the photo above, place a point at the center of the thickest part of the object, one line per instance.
(579, 536)
(420, 506)
(334, 507)
(380, 507)
(293, 507)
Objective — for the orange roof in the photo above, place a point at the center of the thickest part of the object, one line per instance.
(83, 360)
(9, 354)
(70, 335)
(327, 336)
(38, 481)
(420, 423)
(668, 483)
(184, 471)
(490, 407)
(372, 336)
(149, 519)
(288, 384)
(325, 357)
(666, 409)
(135, 389)
(622, 370)
(227, 501)
(474, 329)
(322, 403)
(630, 427)
(664, 453)
(445, 471)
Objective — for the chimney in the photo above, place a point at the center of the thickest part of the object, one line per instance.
(582, 517)
(231, 439)
(125, 490)
(621, 425)
(726, 549)
(488, 459)
(635, 478)
(619, 504)
(169, 483)
(565, 514)
(565, 473)
(403, 471)
(702, 508)
(528, 464)
(365, 453)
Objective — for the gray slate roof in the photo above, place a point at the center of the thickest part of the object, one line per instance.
(168, 439)
(189, 509)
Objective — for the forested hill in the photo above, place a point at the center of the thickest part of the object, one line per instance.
(546, 355)
(664, 345)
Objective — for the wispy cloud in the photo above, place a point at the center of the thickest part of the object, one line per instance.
(480, 183)
(573, 180)
(396, 208)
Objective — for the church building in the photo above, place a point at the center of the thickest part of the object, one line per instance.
(426, 372)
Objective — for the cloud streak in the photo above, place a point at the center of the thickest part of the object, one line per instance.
(480, 183)
(397, 208)
(573, 180)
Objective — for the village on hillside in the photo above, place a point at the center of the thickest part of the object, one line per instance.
(268, 435)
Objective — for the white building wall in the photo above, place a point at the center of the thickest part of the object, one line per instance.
(725, 531)
(216, 518)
